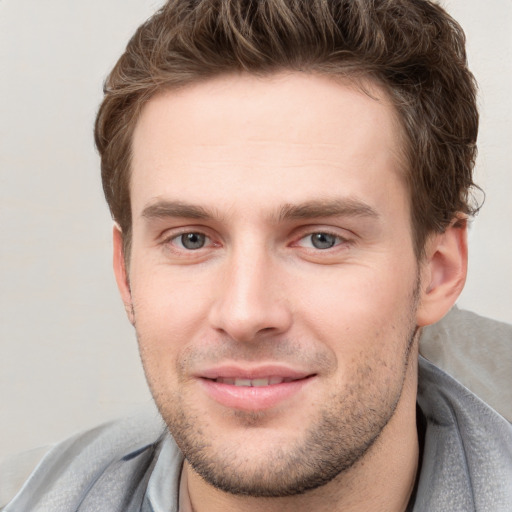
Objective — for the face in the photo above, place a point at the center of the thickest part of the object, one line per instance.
(273, 283)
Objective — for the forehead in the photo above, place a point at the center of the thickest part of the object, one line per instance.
(284, 135)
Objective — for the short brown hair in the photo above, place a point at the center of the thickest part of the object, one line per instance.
(412, 48)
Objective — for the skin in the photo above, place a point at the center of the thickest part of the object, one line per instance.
(252, 168)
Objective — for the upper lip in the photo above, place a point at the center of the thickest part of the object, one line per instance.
(256, 372)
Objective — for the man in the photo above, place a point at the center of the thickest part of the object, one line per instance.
(291, 185)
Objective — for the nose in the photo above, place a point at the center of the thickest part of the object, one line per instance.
(251, 300)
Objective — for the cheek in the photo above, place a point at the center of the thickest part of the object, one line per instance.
(168, 309)
(362, 306)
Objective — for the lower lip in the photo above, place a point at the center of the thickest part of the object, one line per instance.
(251, 398)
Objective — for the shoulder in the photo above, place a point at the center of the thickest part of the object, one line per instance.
(476, 351)
(114, 458)
(467, 451)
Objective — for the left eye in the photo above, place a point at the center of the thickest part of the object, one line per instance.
(191, 241)
(320, 240)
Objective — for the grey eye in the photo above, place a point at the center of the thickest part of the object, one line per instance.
(323, 240)
(193, 241)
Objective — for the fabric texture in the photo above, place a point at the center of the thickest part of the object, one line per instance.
(477, 351)
(134, 465)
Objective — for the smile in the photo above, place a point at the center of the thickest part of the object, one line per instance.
(240, 390)
(268, 381)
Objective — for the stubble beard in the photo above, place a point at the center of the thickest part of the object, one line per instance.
(340, 437)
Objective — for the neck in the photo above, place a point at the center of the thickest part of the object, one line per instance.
(381, 481)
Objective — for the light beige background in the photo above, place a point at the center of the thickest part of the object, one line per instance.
(68, 357)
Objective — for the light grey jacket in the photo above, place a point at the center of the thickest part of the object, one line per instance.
(134, 465)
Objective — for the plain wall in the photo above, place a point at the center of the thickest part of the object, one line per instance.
(68, 357)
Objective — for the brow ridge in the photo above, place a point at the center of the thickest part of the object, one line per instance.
(346, 207)
(163, 209)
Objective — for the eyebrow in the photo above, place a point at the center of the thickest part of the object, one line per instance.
(346, 207)
(163, 209)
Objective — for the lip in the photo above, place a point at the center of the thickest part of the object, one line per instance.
(255, 372)
(255, 398)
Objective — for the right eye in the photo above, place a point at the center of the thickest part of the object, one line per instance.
(321, 240)
(190, 241)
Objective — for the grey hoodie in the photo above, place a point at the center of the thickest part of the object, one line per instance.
(134, 465)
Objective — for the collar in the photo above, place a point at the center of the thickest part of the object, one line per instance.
(467, 454)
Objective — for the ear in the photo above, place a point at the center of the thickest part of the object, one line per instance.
(443, 272)
(122, 278)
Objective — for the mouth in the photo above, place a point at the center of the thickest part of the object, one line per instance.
(254, 390)
(255, 383)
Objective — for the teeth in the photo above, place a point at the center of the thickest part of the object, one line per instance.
(242, 382)
(268, 381)
(259, 382)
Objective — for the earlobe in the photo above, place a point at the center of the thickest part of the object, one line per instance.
(120, 271)
(443, 272)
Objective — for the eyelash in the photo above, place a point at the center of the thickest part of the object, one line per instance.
(170, 241)
(340, 240)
